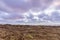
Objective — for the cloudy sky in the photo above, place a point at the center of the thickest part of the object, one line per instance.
(20, 11)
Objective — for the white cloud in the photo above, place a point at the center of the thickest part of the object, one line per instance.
(26, 14)
(35, 13)
(36, 17)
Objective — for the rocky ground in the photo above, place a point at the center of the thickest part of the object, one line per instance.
(26, 32)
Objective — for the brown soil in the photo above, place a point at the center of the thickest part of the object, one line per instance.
(26, 32)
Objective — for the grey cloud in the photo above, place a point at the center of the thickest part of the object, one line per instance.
(42, 4)
(19, 4)
(9, 6)
(4, 7)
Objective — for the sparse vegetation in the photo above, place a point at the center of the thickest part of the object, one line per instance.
(26, 32)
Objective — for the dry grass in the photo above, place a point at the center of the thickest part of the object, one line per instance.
(26, 32)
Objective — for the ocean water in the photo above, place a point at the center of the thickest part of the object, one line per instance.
(30, 12)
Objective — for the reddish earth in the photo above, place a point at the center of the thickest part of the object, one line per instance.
(26, 32)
